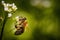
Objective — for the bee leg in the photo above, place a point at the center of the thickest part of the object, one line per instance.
(15, 26)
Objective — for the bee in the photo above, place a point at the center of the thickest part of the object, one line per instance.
(20, 25)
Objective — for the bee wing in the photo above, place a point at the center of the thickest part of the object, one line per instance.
(28, 29)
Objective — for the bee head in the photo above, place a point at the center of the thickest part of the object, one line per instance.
(22, 18)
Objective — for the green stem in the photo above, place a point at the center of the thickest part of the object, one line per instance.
(6, 16)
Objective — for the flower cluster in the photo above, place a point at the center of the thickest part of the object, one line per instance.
(9, 7)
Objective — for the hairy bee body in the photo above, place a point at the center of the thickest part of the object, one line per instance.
(19, 31)
(20, 27)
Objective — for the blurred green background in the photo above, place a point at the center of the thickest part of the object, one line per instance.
(43, 18)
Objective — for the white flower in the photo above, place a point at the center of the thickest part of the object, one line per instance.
(9, 14)
(14, 7)
(5, 8)
(2, 2)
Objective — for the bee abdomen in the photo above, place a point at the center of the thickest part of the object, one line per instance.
(19, 32)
